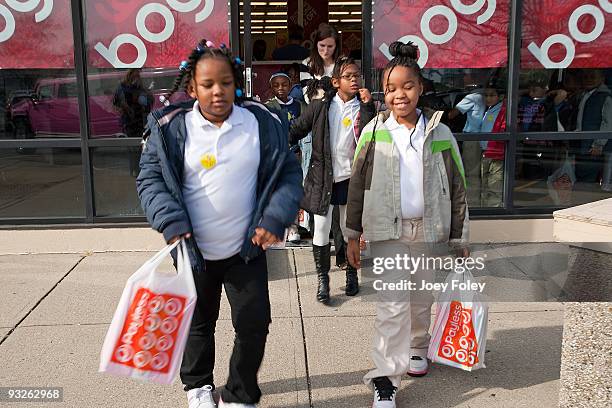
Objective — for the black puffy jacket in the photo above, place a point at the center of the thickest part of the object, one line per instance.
(319, 180)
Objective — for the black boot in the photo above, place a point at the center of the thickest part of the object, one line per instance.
(322, 259)
(352, 281)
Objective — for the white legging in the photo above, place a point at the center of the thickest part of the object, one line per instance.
(322, 225)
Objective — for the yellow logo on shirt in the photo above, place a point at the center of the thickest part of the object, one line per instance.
(347, 122)
(208, 161)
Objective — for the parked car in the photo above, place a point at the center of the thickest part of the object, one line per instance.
(52, 110)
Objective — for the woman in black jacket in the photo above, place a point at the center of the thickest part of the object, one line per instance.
(336, 122)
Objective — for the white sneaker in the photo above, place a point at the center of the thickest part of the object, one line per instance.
(384, 393)
(294, 236)
(418, 366)
(201, 397)
(235, 405)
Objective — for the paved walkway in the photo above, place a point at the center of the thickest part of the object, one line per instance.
(56, 309)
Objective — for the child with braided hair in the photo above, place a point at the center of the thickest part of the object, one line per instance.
(217, 172)
(407, 197)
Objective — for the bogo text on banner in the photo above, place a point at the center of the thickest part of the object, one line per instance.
(119, 33)
(567, 34)
(36, 34)
(448, 33)
(145, 33)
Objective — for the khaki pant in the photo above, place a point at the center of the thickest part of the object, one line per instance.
(402, 317)
(471, 155)
(492, 182)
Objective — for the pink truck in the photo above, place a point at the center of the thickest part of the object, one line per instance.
(52, 110)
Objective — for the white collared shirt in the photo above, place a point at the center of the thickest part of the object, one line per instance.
(411, 164)
(342, 117)
(220, 200)
(289, 101)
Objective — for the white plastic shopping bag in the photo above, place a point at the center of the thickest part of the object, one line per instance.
(147, 335)
(459, 334)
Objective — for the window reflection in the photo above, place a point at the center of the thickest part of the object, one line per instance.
(119, 101)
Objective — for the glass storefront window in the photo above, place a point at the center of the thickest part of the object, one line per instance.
(554, 173)
(114, 175)
(565, 100)
(40, 183)
(133, 55)
(37, 82)
(39, 103)
(565, 86)
(459, 62)
(121, 100)
(566, 67)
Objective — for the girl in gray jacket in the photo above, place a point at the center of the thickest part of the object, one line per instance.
(407, 197)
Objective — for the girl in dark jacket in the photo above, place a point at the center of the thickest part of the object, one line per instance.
(336, 122)
(196, 156)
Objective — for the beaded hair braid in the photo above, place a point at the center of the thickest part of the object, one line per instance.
(207, 49)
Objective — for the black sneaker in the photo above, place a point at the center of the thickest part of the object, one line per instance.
(384, 393)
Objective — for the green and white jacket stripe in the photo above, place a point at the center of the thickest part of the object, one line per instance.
(374, 201)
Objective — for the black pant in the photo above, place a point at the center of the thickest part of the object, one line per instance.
(246, 286)
(338, 238)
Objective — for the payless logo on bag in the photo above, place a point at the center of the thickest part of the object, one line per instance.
(148, 336)
(458, 340)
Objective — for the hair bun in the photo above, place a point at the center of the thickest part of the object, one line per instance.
(399, 49)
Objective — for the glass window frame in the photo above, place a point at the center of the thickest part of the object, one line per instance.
(512, 135)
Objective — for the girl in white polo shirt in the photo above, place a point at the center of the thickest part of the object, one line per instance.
(335, 122)
(407, 197)
(217, 172)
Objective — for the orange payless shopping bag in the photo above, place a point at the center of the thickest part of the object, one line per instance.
(459, 333)
(147, 335)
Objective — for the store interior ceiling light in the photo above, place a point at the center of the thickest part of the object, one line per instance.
(338, 12)
(344, 3)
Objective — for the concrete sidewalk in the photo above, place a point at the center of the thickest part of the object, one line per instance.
(56, 309)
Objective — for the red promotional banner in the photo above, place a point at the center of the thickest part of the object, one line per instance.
(137, 33)
(36, 34)
(567, 34)
(449, 33)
